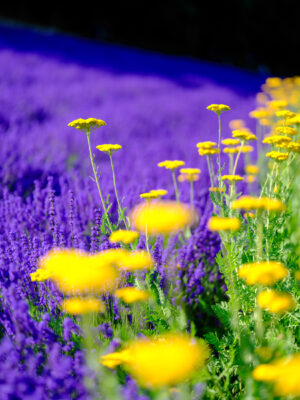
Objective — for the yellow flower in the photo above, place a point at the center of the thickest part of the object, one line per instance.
(283, 373)
(277, 104)
(78, 272)
(251, 169)
(245, 149)
(232, 178)
(207, 152)
(285, 114)
(206, 145)
(218, 108)
(149, 195)
(87, 125)
(264, 273)
(276, 155)
(297, 275)
(162, 217)
(277, 139)
(230, 142)
(260, 113)
(273, 82)
(236, 124)
(287, 130)
(257, 203)
(190, 171)
(165, 360)
(223, 224)
(131, 294)
(112, 360)
(109, 148)
(251, 178)
(135, 260)
(168, 164)
(295, 147)
(216, 189)
(190, 178)
(77, 305)
(249, 215)
(123, 236)
(159, 192)
(275, 302)
(230, 150)
(40, 275)
(243, 135)
(295, 120)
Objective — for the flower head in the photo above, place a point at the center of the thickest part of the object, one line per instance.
(243, 135)
(165, 360)
(113, 360)
(264, 273)
(40, 275)
(135, 260)
(207, 152)
(251, 169)
(230, 150)
(190, 171)
(257, 203)
(81, 305)
(232, 178)
(218, 108)
(171, 164)
(231, 142)
(285, 114)
(109, 148)
(277, 139)
(223, 224)
(277, 155)
(206, 145)
(131, 294)
(275, 302)
(236, 124)
(87, 125)
(162, 217)
(286, 130)
(123, 236)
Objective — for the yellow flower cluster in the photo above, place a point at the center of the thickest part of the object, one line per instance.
(162, 218)
(162, 361)
(232, 178)
(123, 236)
(277, 104)
(190, 171)
(230, 150)
(81, 305)
(294, 120)
(206, 145)
(223, 224)
(236, 124)
(285, 114)
(216, 189)
(190, 178)
(131, 294)
(40, 275)
(286, 130)
(277, 139)
(293, 146)
(230, 142)
(245, 149)
(264, 273)
(243, 134)
(277, 156)
(86, 125)
(218, 108)
(283, 373)
(171, 164)
(208, 152)
(275, 302)
(109, 148)
(257, 203)
(135, 260)
(252, 169)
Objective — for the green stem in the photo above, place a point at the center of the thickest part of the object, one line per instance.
(97, 181)
(210, 172)
(175, 186)
(219, 154)
(237, 158)
(116, 192)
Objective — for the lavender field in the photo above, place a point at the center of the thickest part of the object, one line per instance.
(155, 108)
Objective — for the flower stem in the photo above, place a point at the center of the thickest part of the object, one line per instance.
(116, 192)
(175, 186)
(97, 181)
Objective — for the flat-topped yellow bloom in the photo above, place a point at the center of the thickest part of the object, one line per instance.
(286, 130)
(190, 171)
(257, 203)
(123, 236)
(277, 104)
(159, 192)
(264, 273)
(171, 164)
(277, 139)
(208, 152)
(81, 305)
(223, 224)
(216, 189)
(231, 142)
(135, 260)
(230, 150)
(189, 178)
(218, 108)
(236, 124)
(294, 120)
(149, 195)
(275, 302)
(243, 135)
(40, 275)
(293, 146)
(274, 82)
(162, 217)
(245, 149)
(165, 360)
(232, 178)
(276, 155)
(285, 114)
(87, 125)
(283, 373)
(206, 145)
(251, 169)
(113, 360)
(260, 113)
(109, 148)
(250, 178)
(77, 272)
(131, 294)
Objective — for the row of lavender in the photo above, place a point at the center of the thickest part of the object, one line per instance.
(47, 200)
